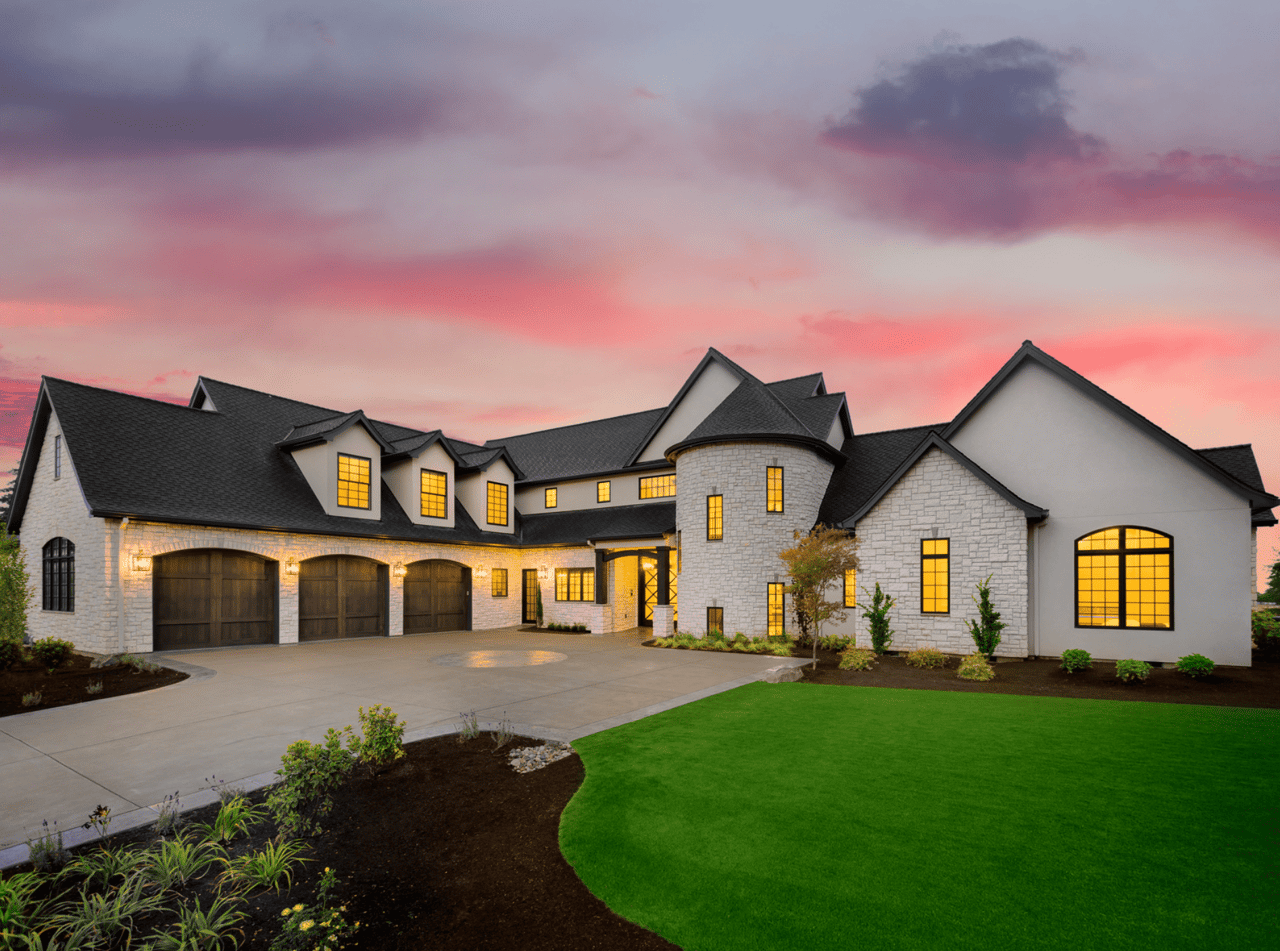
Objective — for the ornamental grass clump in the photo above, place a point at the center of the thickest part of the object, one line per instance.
(46, 852)
(1131, 670)
(235, 816)
(1074, 660)
(975, 666)
(857, 658)
(1195, 665)
(926, 658)
(272, 867)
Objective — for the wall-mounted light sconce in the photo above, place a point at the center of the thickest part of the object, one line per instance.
(398, 570)
(140, 562)
(291, 566)
(543, 572)
(480, 571)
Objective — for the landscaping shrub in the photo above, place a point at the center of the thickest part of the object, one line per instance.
(382, 741)
(926, 658)
(16, 592)
(1195, 665)
(203, 929)
(975, 666)
(1130, 670)
(18, 912)
(1073, 660)
(32, 699)
(308, 773)
(319, 925)
(877, 615)
(857, 658)
(51, 652)
(835, 642)
(11, 652)
(986, 630)
(270, 868)
(1266, 629)
(234, 817)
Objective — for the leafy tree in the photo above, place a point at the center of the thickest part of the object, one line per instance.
(6, 495)
(817, 564)
(1272, 594)
(986, 630)
(16, 590)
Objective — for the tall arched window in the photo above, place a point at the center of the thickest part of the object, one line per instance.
(1124, 578)
(59, 586)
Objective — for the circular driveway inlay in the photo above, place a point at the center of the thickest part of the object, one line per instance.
(499, 658)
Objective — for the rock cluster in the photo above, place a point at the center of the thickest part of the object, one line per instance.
(528, 758)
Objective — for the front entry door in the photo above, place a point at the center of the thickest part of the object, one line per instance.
(648, 588)
(530, 615)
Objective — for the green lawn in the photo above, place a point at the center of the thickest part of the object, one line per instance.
(803, 816)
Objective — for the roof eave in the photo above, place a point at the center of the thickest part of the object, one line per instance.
(27, 466)
(809, 442)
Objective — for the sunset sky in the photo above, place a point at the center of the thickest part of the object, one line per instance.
(495, 217)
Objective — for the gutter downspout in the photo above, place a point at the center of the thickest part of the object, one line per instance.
(124, 523)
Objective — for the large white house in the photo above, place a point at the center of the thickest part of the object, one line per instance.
(247, 518)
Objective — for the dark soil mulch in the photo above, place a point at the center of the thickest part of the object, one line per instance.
(68, 683)
(1256, 686)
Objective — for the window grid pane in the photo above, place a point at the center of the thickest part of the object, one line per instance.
(773, 490)
(434, 491)
(497, 503)
(353, 482)
(657, 487)
(851, 588)
(58, 575)
(575, 584)
(1138, 563)
(602, 491)
(549, 498)
(562, 584)
(935, 590)
(777, 619)
(715, 620)
(715, 517)
(499, 582)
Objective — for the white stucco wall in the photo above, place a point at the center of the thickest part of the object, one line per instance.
(473, 493)
(1057, 448)
(734, 572)
(940, 498)
(319, 464)
(573, 494)
(404, 479)
(708, 391)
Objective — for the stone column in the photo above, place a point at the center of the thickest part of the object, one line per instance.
(664, 620)
(288, 621)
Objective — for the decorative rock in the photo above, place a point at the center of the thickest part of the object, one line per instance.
(782, 675)
(111, 660)
(528, 758)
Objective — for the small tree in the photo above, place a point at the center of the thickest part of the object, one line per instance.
(816, 563)
(6, 495)
(539, 609)
(986, 630)
(16, 590)
(877, 615)
(1272, 594)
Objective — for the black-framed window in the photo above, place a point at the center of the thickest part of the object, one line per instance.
(59, 575)
(773, 489)
(497, 503)
(550, 497)
(715, 518)
(851, 587)
(353, 481)
(499, 582)
(657, 487)
(935, 576)
(435, 494)
(777, 618)
(1124, 578)
(602, 491)
(715, 620)
(57, 457)
(575, 584)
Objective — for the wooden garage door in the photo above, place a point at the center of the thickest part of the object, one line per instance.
(437, 597)
(341, 596)
(212, 598)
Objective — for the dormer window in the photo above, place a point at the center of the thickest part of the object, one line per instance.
(353, 481)
(435, 491)
(497, 506)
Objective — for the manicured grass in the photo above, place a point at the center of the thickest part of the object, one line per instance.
(803, 816)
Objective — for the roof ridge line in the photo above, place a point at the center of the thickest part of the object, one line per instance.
(586, 422)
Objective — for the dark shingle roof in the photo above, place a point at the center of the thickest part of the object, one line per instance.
(602, 445)
(797, 388)
(1239, 462)
(623, 521)
(749, 410)
(872, 458)
(818, 412)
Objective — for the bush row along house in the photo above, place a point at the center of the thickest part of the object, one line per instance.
(248, 518)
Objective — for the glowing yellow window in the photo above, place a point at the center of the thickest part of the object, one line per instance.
(715, 517)
(353, 481)
(1124, 578)
(549, 498)
(497, 503)
(935, 588)
(851, 588)
(499, 584)
(773, 489)
(434, 489)
(602, 491)
(777, 615)
(657, 487)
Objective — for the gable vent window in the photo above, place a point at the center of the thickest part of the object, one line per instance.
(57, 457)
(602, 491)
(353, 481)
(497, 503)
(550, 498)
(715, 518)
(935, 565)
(657, 487)
(1124, 578)
(435, 491)
(59, 564)
(773, 489)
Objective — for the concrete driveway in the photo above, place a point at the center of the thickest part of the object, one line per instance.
(243, 706)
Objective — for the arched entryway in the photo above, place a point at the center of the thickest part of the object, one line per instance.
(341, 596)
(212, 597)
(437, 597)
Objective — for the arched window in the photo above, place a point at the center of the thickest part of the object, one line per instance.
(1124, 578)
(59, 575)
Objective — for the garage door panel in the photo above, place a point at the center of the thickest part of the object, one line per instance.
(212, 598)
(341, 596)
(436, 597)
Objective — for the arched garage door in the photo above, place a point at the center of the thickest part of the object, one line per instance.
(341, 596)
(437, 597)
(212, 598)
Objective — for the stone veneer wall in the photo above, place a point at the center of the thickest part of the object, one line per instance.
(734, 573)
(939, 498)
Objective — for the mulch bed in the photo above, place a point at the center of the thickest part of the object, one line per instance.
(450, 848)
(68, 683)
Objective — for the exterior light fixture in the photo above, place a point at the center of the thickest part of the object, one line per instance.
(291, 566)
(398, 570)
(140, 562)
(543, 572)
(480, 571)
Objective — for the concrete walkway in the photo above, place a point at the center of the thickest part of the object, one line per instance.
(243, 706)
